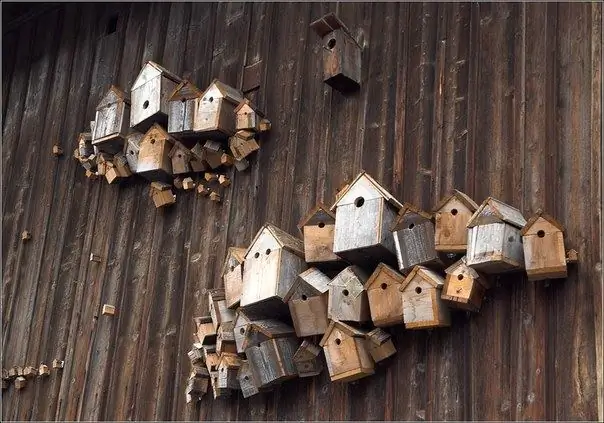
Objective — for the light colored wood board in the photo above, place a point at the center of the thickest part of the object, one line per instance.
(272, 362)
(233, 286)
(545, 257)
(309, 316)
(261, 272)
(347, 358)
(318, 244)
(386, 305)
(450, 232)
(489, 247)
(357, 227)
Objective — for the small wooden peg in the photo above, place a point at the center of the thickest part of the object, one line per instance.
(265, 125)
(226, 159)
(210, 176)
(108, 310)
(43, 370)
(214, 196)
(203, 190)
(188, 183)
(572, 256)
(58, 364)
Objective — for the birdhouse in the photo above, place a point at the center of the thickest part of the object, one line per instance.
(85, 148)
(380, 346)
(181, 158)
(204, 330)
(20, 382)
(272, 361)
(119, 170)
(211, 358)
(43, 370)
(149, 94)
(364, 213)
(225, 339)
(346, 353)
(232, 276)
(385, 299)
(307, 360)
(217, 391)
(131, 149)
(215, 116)
(219, 312)
(242, 144)
(195, 355)
(108, 310)
(198, 161)
(423, 307)
(307, 302)
(154, 162)
(111, 121)
(413, 233)
(248, 118)
(227, 371)
(341, 54)
(543, 245)
(318, 228)
(58, 364)
(182, 108)
(347, 296)
(247, 383)
(197, 385)
(464, 287)
(258, 331)
(451, 216)
(30, 372)
(188, 184)
(494, 239)
(162, 194)
(272, 262)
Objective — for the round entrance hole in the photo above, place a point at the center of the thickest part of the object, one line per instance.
(384, 285)
(304, 298)
(152, 141)
(511, 239)
(541, 233)
(131, 152)
(256, 255)
(246, 378)
(460, 276)
(183, 100)
(146, 104)
(454, 212)
(211, 99)
(359, 202)
(242, 331)
(232, 268)
(331, 43)
(179, 155)
(418, 290)
(268, 251)
(338, 341)
(345, 292)
(411, 225)
(321, 225)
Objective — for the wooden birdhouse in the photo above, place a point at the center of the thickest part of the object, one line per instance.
(217, 391)
(211, 358)
(195, 355)
(423, 307)
(215, 116)
(205, 330)
(225, 339)
(380, 345)
(464, 287)
(227, 371)
(30, 372)
(149, 95)
(347, 296)
(318, 228)
(181, 158)
(307, 302)
(154, 162)
(85, 148)
(161, 194)
(258, 331)
(272, 262)
(112, 121)
(247, 383)
(385, 299)
(307, 359)
(249, 118)
(494, 239)
(58, 364)
(198, 161)
(272, 361)
(364, 213)
(341, 54)
(232, 276)
(242, 144)
(346, 353)
(543, 245)
(413, 232)
(20, 382)
(182, 108)
(119, 170)
(219, 312)
(451, 218)
(43, 370)
(197, 385)
(131, 149)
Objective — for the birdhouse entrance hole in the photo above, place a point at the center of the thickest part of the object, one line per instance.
(338, 341)
(256, 255)
(411, 226)
(541, 233)
(268, 251)
(146, 104)
(242, 331)
(331, 43)
(304, 298)
(384, 285)
(460, 276)
(418, 290)
(454, 212)
(246, 378)
(359, 202)
(321, 225)
(345, 292)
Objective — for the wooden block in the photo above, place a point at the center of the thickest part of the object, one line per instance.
(20, 382)
(214, 196)
(30, 372)
(209, 176)
(572, 256)
(224, 180)
(188, 183)
(25, 236)
(265, 125)
(380, 345)
(108, 310)
(4, 384)
(95, 257)
(225, 339)
(177, 183)
(57, 150)
(226, 160)
(203, 190)
(58, 364)
(43, 370)
(195, 356)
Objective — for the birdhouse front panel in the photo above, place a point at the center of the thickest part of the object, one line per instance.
(451, 233)
(272, 361)
(414, 242)
(146, 106)
(233, 284)
(111, 126)
(348, 298)
(347, 357)
(246, 118)
(309, 315)
(318, 243)
(154, 161)
(215, 117)
(181, 116)
(423, 307)
(462, 290)
(495, 248)
(341, 61)
(544, 251)
(385, 299)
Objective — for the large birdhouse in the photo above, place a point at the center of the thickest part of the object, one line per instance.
(272, 361)
(232, 276)
(464, 287)
(149, 96)
(494, 239)
(154, 161)
(452, 215)
(216, 111)
(423, 307)
(272, 262)
(111, 121)
(318, 228)
(346, 353)
(365, 212)
(341, 54)
(182, 108)
(347, 296)
(544, 252)
(413, 233)
(385, 300)
(307, 301)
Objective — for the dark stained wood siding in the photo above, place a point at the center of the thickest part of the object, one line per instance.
(493, 99)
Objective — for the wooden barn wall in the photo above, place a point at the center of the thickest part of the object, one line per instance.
(493, 99)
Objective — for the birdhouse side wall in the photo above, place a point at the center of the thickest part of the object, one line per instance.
(318, 244)
(385, 301)
(545, 257)
(415, 245)
(290, 266)
(181, 115)
(494, 247)
(309, 316)
(450, 228)
(233, 286)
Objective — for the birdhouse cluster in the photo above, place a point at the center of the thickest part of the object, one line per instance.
(171, 133)
(20, 375)
(292, 307)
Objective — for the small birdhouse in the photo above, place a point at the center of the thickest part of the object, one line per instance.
(494, 239)
(227, 371)
(413, 233)
(119, 170)
(341, 54)
(13, 372)
(452, 215)
(25, 235)
(43, 370)
(232, 276)
(225, 339)
(385, 299)
(188, 184)
(543, 243)
(181, 158)
(20, 382)
(108, 310)
(30, 372)
(131, 149)
(241, 324)
(364, 213)
(346, 353)
(380, 346)
(149, 94)
(216, 111)
(57, 150)
(258, 331)
(242, 164)
(195, 355)
(58, 364)
(248, 118)
(216, 197)
(154, 162)
(198, 162)
(204, 330)
(307, 301)
(318, 228)
(242, 144)
(247, 383)
(218, 310)
(307, 359)
(197, 385)
(272, 361)
(211, 358)
(464, 287)
(162, 194)
(182, 108)
(272, 262)
(111, 121)
(347, 296)
(423, 307)
(85, 148)
(217, 391)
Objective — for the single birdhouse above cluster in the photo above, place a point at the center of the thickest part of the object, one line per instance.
(112, 121)
(452, 215)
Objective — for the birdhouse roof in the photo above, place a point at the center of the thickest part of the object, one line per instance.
(426, 274)
(186, 90)
(113, 95)
(285, 240)
(161, 130)
(495, 211)
(352, 278)
(222, 90)
(383, 268)
(234, 257)
(306, 351)
(249, 105)
(319, 213)
(270, 328)
(152, 70)
(313, 278)
(406, 210)
(462, 262)
(347, 329)
(461, 197)
(541, 214)
(329, 23)
(178, 146)
(229, 361)
(216, 294)
(370, 184)
(160, 186)
(378, 336)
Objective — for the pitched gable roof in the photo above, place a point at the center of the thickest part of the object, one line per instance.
(407, 209)
(270, 328)
(541, 214)
(378, 336)
(151, 70)
(234, 257)
(285, 240)
(383, 268)
(226, 91)
(162, 131)
(313, 280)
(306, 351)
(426, 274)
(319, 213)
(186, 90)
(111, 96)
(461, 197)
(329, 23)
(494, 211)
(178, 146)
(347, 329)
(352, 278)
(364, 176)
